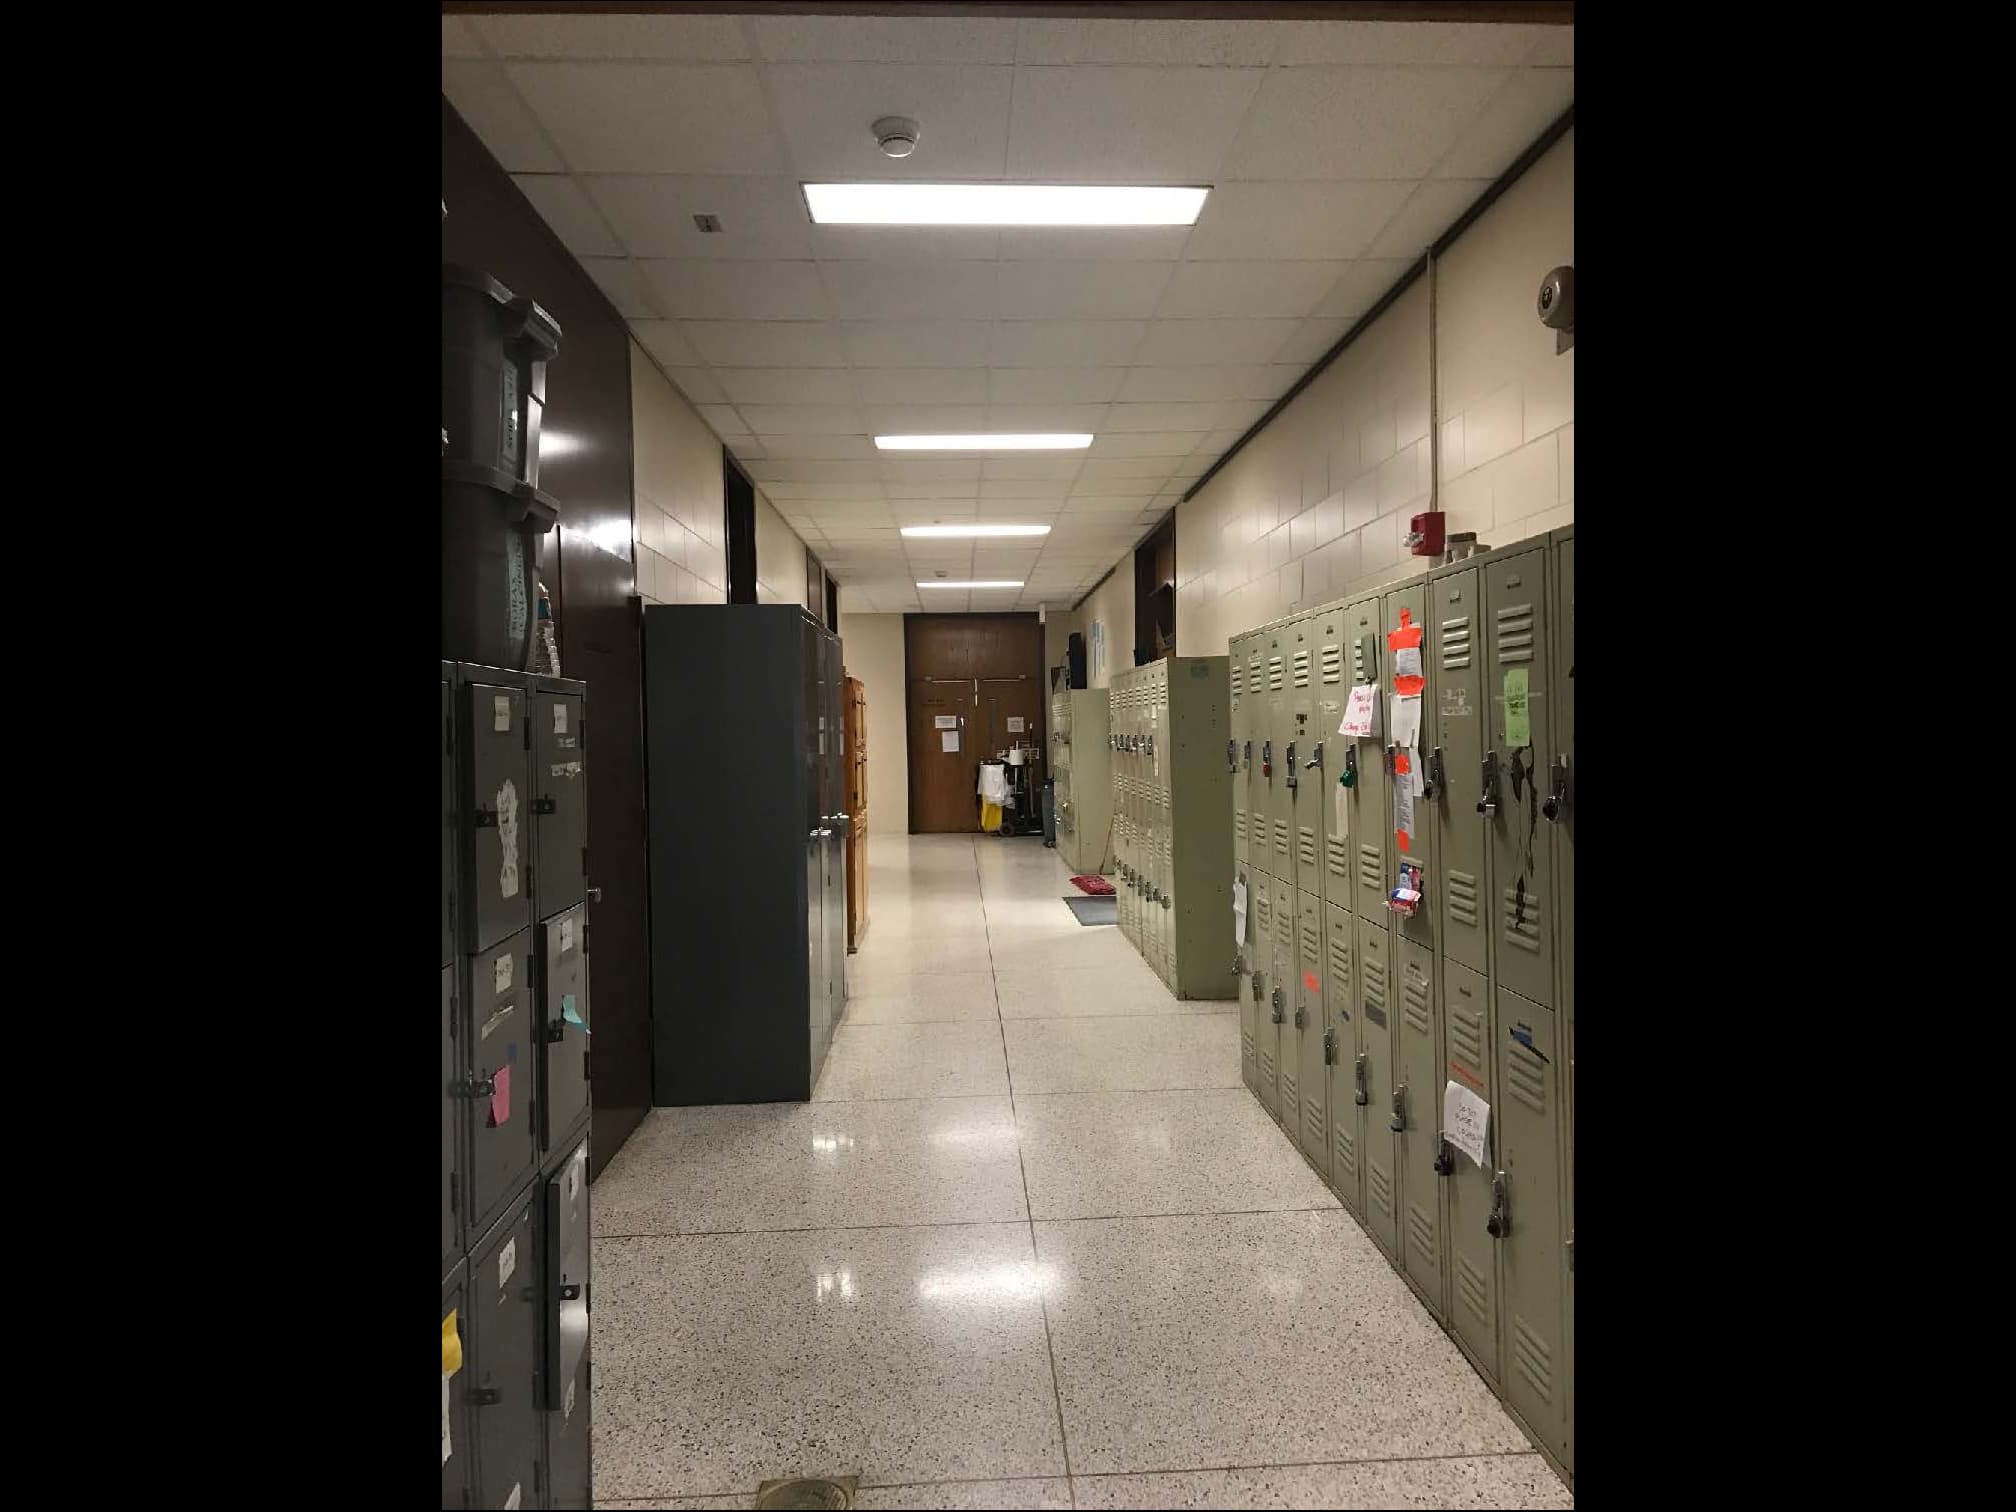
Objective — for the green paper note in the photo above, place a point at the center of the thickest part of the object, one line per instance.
(1518, 717)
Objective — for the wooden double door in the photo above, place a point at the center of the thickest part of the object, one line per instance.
(975, 688)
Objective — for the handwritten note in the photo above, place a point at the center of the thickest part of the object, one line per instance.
(1361, 711)
(1406, 720)
(1518, 711)
(1466, 1120)
(1238, 912)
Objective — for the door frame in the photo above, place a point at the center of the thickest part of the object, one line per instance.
(1035, 670)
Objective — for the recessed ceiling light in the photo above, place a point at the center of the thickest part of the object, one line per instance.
(1074, 442)
(940, 583)
(1003, 204)
(976, 530)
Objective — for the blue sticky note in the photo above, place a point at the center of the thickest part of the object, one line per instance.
(572, 1014)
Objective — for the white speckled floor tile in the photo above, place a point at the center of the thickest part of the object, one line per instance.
(1123, 1054)
(899, 1355)
(814, 1165)
(1114, 991)
(935, 919)
(1108, 1154)
(1021, 950)
(1499, 1480)
(980, 1496)
(881, 959)
(1250, 1339)
(937, 998)
(917, 1060)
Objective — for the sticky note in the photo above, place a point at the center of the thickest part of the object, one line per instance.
(1518, 713)
(500, 1097)
(572, 1014)
(451, 1344)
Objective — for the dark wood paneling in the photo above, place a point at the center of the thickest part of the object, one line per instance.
(1529, 12)
(490, 226)
(971, 645)
(954, 665)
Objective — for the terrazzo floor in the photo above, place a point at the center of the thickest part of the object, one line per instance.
(1031, 1244)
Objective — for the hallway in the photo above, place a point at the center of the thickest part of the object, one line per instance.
(1032, 1244)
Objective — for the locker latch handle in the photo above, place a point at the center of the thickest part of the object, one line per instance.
(1391, 765)
(1259, 984)
(1266, 758)
(1289, 754)
(1431, 780)
(1329, 1047)
(1165, 900)
(475, 1086)
(483, 818)
(1499, 1223)
(1487, 800)
(1246, 758)
(485, 1396)
(1398, 1123)
(1359, 1096)
(1301, 1017)
(1276, 1001)
(1552, 805)
(1315, 761)
(1349, 776)
(545, 805)
(1445, 1157)
(1232, 756)
(570, 1291)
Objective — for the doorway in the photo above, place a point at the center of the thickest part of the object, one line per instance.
(974, 686)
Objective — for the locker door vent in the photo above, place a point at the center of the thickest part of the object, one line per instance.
(1526, 1076)
(1284, 929)
(1472, 1290)
(1301, 669)
(1281, 838)
(1312, 1123)
(1332, 662)
(1357, 662)
(1346, 1164)
(1372, 867)
(1414, 1005)
(1379, 1185)
(1312, 943)
(1455, 643)
(1266, 1063)
(1375, 991)
(1340, 958)
(1239, 825)
(1515, 633)
(1261, 912)
(1238, 683)
(1463, 898)
(1421, 1234)
(1535, 1361)
(1522, 919)
(1305, 846)
(1291, 1094)
(1466, 1040)
(1339, 853)
(1274, 674)
(1254, 683)
(1246, 1045)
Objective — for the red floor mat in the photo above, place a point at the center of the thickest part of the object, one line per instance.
(1099, 887)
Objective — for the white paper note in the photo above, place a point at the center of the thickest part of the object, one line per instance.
(1406, 720)
(946, 721)
(447, 1442)
(500, 974)
(1466, 1120)
(948, 740)
(507, 1262)
(1015, 724)
(1361, 711)
(500, 713)
(1403, 809)
(1407, 662)
(1417, 777)
(559, 719)
(1238, 913)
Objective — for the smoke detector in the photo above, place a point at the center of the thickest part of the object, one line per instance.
(896, 136)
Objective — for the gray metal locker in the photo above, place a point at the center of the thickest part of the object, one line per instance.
(1267, 1015)
(1459, 897)
(1347, 1116)
(451, 1101)
(447, 733)
(560, 795)
(1330, 877)
(1368, 797)
(1303, 788)
(1515, 598)
(498, 1024)
(1273, 746)
(1252, 746)
(1285, 997)
(1527, 1216)
(1314, 1041)
(564, 1358)
(1239, 738)
(564, 1026)
(1561, 812)
(1379, 1146)
(503, 1361)
(494, 812)
(1473, 1251)
(458, 1447)
(1248, 955)
(1417, 1115)
(1423, 848)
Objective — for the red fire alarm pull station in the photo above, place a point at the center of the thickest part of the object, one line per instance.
(1424, 534)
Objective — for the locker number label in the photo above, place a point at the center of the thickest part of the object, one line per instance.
(566, 935)
(1455, 703)
(500, 713)
(507, 1262)
(559, 719)
(945, 721)
(501, 976)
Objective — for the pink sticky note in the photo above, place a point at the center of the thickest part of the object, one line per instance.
(500, 1096)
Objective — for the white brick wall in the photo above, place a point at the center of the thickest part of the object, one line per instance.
(678, 514)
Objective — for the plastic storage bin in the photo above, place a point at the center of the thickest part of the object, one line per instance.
(494, 349)
(490, 529)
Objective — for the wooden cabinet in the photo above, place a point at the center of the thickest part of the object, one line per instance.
(854, 746)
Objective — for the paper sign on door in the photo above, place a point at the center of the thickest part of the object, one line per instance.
(1405, 644)
(945, 721)
(1015, 724)
(1518, 710)
(1466, 1119)
(1361, 711)
(1238, 913)
(948, 740)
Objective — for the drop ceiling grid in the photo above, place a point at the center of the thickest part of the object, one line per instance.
(1187, 336)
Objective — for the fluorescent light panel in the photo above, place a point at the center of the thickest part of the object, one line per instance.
(1003, 204)
(940, 583)
(949, 531)
(1060, 442)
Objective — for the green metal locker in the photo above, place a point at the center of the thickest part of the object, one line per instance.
(1423, 848)
(1081, 769)
(1286, 999)
(1246, 960)
(1526, 1217)
(1267, 1016)
(1238, 738)
(1311, 1028)
(1371, 805)
(1473, 1251)
(1273, 752)
(1417, 1120)
(1347, 1116)
(1561, 790)
(1459, 742)
(1379, 1146)
(1252, 746)
(1302, 794)
(1329, 875)
(1520, 753)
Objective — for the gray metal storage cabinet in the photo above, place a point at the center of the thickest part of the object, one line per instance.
(1081, 769)
(747, 826)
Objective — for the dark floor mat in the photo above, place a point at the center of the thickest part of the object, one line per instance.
(1095, 910)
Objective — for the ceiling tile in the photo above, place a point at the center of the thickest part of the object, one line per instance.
(1217, 44)
(698, 384)
(887, 39)
(820, 448)
(1238, 414)
(915, 343)
(458, 41)
(825, 111)
(1092, 290)
(485, 99)
(902, 243)
(1510, 124)
(1555, 48)
(1443, 42)
(625, 286)
(1362, 285)
(653, 214)
(1249, 381)
(721, 418)
(1359, 123)
(1087, 41)
(926, 419)
(817, 472)
(786, 385)
(1024, 488)
(1432, 209)
(1293, 221)
(1055, 385)
(1094, 243)
(753, 343)
(1026, 419)
(1065, 343)
(920, 385)
(1311, 340)
(911, 290)
(869, 490)
(1167, 416)
(1149, 443)
(663, 340)
(562, 205)
(1177, 342)
(1121, 125)
(820, 419)
(1097, 468)
(653, 117)
(934, 470)
(933, 493)
(1207, 290)
(737, 290)
(688, 38)
(1032, 467)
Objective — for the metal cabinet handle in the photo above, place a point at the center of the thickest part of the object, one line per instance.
(1499, 1223)
(1349, 776)
(474, 1087)
(485, 1396)
(570, 1291)
(1266, 758)
(483, 818)
(1232, 756)
(1487, 801)
(1259, 984)
(1289, 756)
(1445, 1157)
(1275, 1002)
(1301, 1017)
(1391, 768)
(1552, 805)
(1329, 1047)
(1246, 759)
(1433, 780)
(1398, 1123)
(1165, 900)
(1315, 761)
(819, 834)
(545, 805)
(1359, 1095)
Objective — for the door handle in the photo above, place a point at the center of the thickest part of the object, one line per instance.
(1315, 761)
(1289, 755)
(1246, 757)
(1487, 801)
(1552, 805)
(1398, 1123)
(1232, 756)
(1275, 1002)
(1499, 1223)
(1359, 1095)
(1301, 1017)
(1445, 1157)
(1349, 776)
(1433, 778)
(1266, 758)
